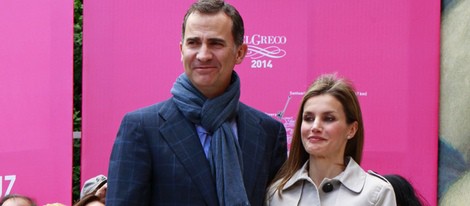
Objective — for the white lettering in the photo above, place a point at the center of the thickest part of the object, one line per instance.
(11, 179)
(361, 94)
(296, 93)
(257, 39)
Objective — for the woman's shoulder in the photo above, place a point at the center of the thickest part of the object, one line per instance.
(380, 189)
(273, 189)
(369, 178)
(377, 179)
(377, 183)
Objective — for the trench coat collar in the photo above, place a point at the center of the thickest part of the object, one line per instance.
(353, 177)
(300, 175)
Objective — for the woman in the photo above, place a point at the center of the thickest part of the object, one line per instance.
(90, 200)
(96, 185)
(326, 150)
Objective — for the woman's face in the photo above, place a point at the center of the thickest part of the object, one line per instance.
(324, 130)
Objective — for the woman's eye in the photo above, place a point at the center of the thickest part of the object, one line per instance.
(309, 118)
(330, 119)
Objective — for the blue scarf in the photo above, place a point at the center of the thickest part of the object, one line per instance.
(214, 116)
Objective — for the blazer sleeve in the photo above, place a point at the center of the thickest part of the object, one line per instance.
(129, 172)
(279, 152)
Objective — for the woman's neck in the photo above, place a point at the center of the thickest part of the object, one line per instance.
(321, 168)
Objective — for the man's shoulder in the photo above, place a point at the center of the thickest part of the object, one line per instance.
(246, 108)
(151, 110)
(256, 113)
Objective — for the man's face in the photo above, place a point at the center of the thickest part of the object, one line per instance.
(209, 53)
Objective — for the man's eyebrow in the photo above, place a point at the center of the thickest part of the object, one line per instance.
(215, 39)
(192, 39)
(210, 40)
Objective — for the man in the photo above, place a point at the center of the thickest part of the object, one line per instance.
(202, 146)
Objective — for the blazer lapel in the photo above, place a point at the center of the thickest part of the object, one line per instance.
(251, 138)
(187, 147)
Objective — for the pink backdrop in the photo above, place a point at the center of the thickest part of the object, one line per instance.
(36, 42)
(389, 49)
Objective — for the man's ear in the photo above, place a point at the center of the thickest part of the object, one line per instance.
(241, 53)
(181, 50)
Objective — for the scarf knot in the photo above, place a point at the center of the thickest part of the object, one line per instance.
(214, 115)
